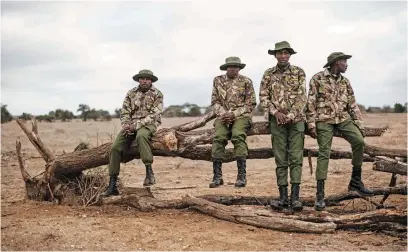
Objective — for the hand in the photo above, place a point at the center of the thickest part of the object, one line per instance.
(313, 133)
(128, 130)
(281, 118)
(228, 118)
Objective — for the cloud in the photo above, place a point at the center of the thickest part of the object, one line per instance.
(67, 53)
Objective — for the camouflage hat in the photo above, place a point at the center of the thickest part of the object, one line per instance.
(333, 57)
(145, 73)
(280, 46)
(232, 61)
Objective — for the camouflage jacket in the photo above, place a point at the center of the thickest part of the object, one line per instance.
(284, 90)
(142, 108)
(233, 95)
(331, 101)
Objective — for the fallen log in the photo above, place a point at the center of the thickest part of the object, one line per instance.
(332, 200)
(391, 166)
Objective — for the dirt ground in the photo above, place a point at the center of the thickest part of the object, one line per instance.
(28, 225)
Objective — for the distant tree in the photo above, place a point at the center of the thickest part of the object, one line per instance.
(194, 111)
(117, 113)
(5, 114)
(173, 111)
(25, 116)
(399, 108)
(94, 114)
(85, 110)
(105, 115)
(387, 109)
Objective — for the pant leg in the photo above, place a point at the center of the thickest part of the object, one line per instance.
(324, 139)
(120, 145)
(239, 131)
(353, 135)
(296, 140)
(279, 136)
(220, 140)
(143, 139)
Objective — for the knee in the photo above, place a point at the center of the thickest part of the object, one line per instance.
(116, 148)
(142, 137)
(238, 136)
(359, 142)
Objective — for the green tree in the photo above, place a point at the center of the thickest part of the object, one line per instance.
(5, 114)
(399, 108)
(85, 110)
(117, 113)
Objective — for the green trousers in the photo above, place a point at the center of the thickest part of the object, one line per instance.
(287, 145)
(122, 144)
(324, 138)
(237, 132)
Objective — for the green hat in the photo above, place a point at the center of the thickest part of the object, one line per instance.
(145, 73)
(232, 61)
(333, 57)
(280, 46)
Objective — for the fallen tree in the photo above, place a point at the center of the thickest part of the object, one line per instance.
(187, 142)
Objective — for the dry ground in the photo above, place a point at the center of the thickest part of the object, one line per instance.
(27, 225)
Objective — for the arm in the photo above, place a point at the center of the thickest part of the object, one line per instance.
(301, 98)
(250, 100)
(154, 115)
(353, 108)
(265, 95)
(126, 111)
(215, 101)
(311, 104)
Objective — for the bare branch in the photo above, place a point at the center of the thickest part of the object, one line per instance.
(21, 162)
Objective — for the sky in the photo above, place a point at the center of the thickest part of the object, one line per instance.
(58, 54)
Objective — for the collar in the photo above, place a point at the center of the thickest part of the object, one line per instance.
(287, 68)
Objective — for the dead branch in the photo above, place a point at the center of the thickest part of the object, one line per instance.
(23, 166)
(332, 200)
(390, 165)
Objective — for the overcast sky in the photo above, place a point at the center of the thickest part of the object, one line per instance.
(60, 54)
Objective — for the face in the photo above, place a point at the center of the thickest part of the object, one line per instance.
(232, 71)
(282, 56)
(342, 65)
(145, 83)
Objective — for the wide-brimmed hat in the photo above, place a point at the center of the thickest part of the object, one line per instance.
(145, 73)
(333, 57)
(232, 61)
(280, 46)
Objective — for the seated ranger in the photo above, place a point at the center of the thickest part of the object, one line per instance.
(140, 116)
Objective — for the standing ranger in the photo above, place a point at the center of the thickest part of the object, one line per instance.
(332, 105)
(283, 96)
(233, 99)
(140, 116)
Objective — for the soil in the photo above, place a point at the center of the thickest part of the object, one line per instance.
(29, 225)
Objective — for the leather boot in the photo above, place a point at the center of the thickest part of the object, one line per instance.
(112, 187)
(283, 201)
(150, 179)
(320, 204)
(217, 171)
(241, 177)
(356, 184)
(294, 198)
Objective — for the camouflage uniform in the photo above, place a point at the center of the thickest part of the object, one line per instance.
(140, 116)
(136, 102)
(332, 105)
(285, 90)
(235, 95)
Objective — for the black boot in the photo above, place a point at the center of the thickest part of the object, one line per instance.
(217, 179)
(112, 188)
(283, 201)
(149, 180)
(294, 198)
(241, 177)
(356, 184)
(320, 204)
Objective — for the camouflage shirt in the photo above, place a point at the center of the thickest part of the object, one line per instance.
(284, 90)
(233, 95)
(331, 100)
(142, 108)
